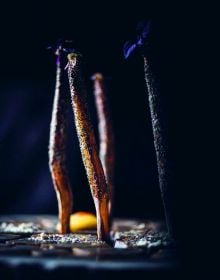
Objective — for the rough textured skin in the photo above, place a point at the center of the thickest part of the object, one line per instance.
(160, 144)
(106, 136)
(92, 163)
(57, 150)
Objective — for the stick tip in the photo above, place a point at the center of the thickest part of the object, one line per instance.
(72, 56)
(97, 76)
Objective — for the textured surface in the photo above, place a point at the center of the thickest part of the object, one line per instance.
(42, 230)
(161, 144)
(55, 254)
(57, 147)
(106, 135)
(88, 147)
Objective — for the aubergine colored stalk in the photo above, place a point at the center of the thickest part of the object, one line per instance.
(57, 147)
(106, 136)
(91, 160)
(160, 144)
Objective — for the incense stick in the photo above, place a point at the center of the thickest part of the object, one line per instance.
(159, 133)
(160, 143)
(106, 136)
(92, 163)
(57, 148)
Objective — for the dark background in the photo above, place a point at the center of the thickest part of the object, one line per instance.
(27, 76)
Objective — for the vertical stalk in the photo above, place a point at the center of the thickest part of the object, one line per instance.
(106, 136)
(57, 148)
(91, 160)
(160, 144)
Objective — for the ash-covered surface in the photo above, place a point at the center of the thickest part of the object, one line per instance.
(146, 235)
(137, 244)
(27, 223)
(19, 227)
(74, 239)
(146, 240)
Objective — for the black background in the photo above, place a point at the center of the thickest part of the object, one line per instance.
(180, 35)
(27, 77)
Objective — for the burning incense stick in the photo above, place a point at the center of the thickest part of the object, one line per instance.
(92, 163)
(160, 141)
(106, 137)
(57, 148)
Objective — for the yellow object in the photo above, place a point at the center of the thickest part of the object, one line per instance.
(82, 221)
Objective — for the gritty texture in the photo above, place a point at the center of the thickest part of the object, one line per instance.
(132, 240)
(23, 227)
(57, 149)
(128, 234)
(92, 163)
(139, 238)
(160, 144)
(106, 136)
(85, 239)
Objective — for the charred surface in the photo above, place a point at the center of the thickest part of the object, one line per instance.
(161, 145)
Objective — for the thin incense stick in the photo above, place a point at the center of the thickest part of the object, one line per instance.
(92, 163)
(106, 136)
(160, 144)
(159, 133)
(57, 148)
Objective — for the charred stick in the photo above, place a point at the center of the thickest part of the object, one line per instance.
(160, 144)
(57, 148)
(92, 163)
(106, 137)
(141, 46)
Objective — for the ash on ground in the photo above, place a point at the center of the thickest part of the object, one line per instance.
(71, 238)
(22, 227)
